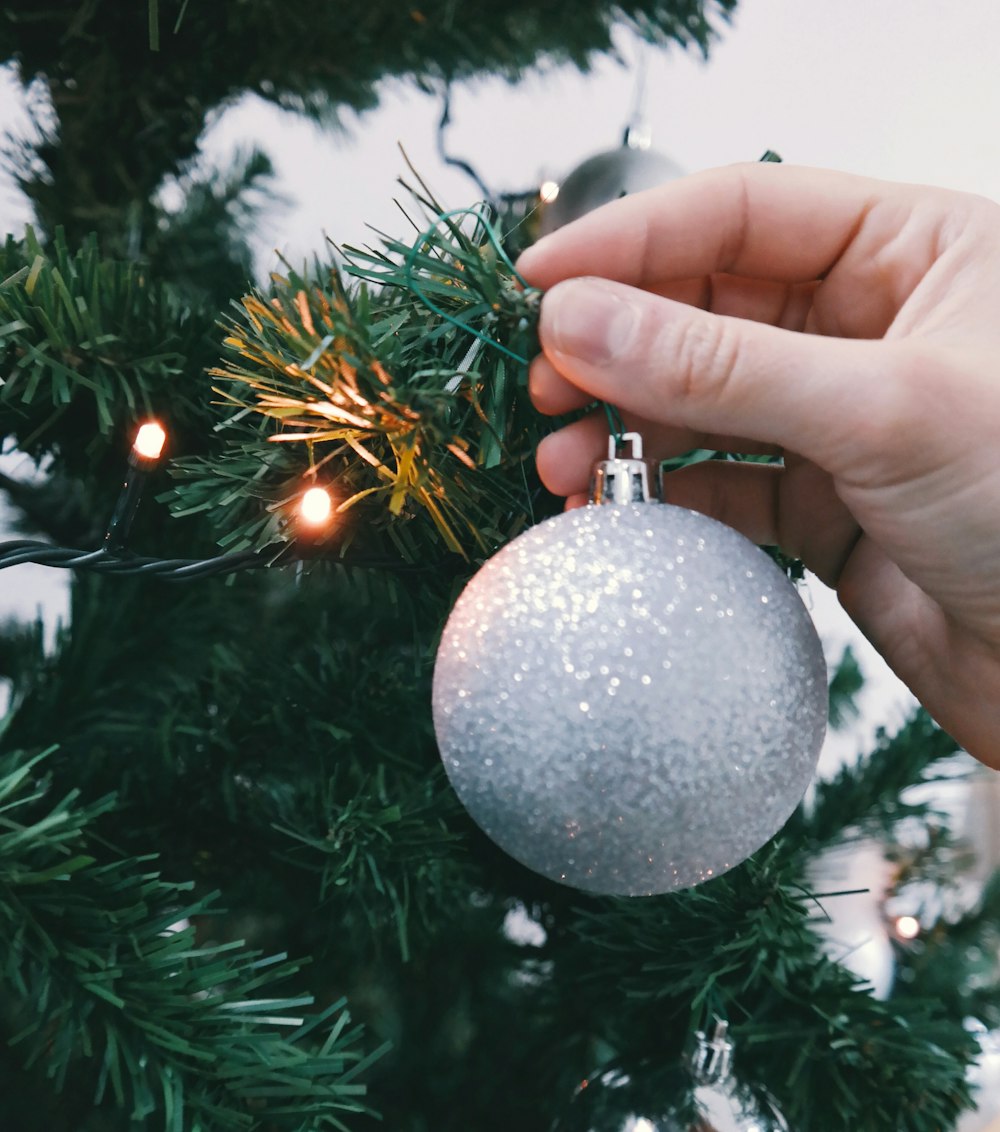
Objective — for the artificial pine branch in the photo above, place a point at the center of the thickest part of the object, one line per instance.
(167, 703)
(387, 845)
(405, 394)
(846, 682)
(956, 960)
(99, 959)
(869, 796)
(88, 346)
(408, 398)
(743, 947)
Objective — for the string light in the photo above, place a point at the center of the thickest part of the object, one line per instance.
(314, 509)
(146, 451)
(548, 191)
(315, 505)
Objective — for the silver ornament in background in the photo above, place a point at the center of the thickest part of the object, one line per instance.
(629, 168)
(630, 698)
(707, 1098)
(722, 1104)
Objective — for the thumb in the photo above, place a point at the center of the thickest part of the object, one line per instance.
(666, 361)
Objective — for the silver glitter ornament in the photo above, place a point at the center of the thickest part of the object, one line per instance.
(630, 698)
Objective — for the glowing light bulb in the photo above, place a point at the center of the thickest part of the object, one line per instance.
(146, 450)
(315, 506)
(149, 440)
(907, 927)
(548, 191)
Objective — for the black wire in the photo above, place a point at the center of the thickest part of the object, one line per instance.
(458, 162)
(104, 561)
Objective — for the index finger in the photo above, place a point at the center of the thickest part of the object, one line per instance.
(764, 220)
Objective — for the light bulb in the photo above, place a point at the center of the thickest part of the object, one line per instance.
(315, 506)
(149, 440)
(548, 191)
(907, 927)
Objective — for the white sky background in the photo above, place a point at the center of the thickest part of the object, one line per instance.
(900, 89)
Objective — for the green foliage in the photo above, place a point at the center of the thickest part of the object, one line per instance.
(419, 421)
(87, 346)
(870, 796)
(387, 853)
(356, 820)
(100, 961)
(954, 960)
(848, 680)
(743, 948)
(199, 246)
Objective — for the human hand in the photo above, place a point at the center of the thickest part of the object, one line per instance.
(852, 326)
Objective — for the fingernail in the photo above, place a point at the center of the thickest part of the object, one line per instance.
(589, 319)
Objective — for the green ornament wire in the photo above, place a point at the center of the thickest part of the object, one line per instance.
(615, 424)
(493, 237)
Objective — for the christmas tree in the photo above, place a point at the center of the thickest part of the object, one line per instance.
(237, 889)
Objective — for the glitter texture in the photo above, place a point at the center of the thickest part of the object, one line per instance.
(630, 700)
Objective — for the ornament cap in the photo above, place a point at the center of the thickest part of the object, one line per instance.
(638, 135)
(713, 1056)
(621, 480)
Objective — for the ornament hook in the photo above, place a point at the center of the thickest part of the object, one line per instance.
(615, 442)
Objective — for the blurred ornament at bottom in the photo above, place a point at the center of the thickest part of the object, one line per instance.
(704, 1097)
